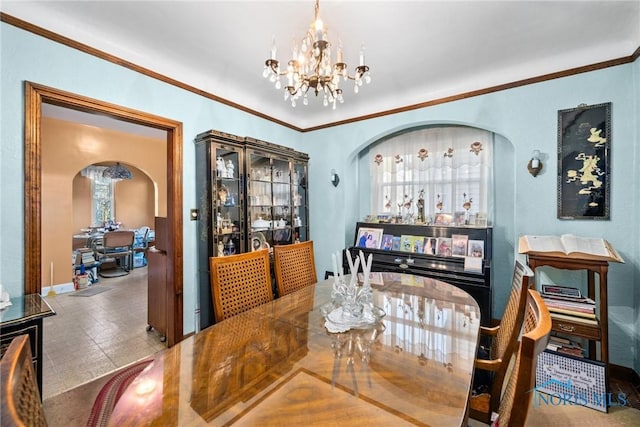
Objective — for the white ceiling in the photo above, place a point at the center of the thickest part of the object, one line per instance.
(418, 51)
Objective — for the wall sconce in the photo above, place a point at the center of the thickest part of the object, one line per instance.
(335, 179)
(535, 165)
(194, 214)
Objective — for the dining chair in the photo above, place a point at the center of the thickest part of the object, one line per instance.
(491, 366)
(240, 282)
(516, 399)
(141, 242)
(21, 404)
(294, 266)
(116, 245)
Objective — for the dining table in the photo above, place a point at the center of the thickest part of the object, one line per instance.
(278, 364)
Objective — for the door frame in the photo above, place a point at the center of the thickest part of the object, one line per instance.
(35, 96)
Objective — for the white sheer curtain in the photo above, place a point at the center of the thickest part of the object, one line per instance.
(450, 164)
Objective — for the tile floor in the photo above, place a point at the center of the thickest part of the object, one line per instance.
(91, 336)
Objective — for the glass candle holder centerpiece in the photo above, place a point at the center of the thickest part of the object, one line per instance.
(351, 303)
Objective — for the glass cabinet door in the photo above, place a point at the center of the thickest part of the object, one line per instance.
(281, 202)
(228, 206)
(300, 219)
(269, 202)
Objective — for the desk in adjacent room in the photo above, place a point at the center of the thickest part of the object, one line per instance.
(277, 364)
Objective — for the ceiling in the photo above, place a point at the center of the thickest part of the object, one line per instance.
(418, 51)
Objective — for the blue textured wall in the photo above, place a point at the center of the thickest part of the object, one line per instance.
(525, 118)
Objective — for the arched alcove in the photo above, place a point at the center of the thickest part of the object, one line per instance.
(357, 194)
(134, 200)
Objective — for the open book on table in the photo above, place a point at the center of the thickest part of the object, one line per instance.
(569, 246)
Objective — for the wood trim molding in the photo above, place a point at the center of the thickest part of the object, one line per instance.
(111, 58)
(35, 95)
(24, 25)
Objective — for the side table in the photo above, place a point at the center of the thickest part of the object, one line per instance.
(24, 316)
(592, 333)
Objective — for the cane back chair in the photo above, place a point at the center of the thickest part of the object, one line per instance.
(240, 282)
(294, 266)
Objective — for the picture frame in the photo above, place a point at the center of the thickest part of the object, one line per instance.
(442, 219)
(459, 245)
(473, 264)
(476, 248)
(582, 380)
(370, 238)
(472, 219)
(387, 242)
(444, 246)
(584, 157)
(430, 245)
(481, 220)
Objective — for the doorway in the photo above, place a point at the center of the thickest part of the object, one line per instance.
(35, 96)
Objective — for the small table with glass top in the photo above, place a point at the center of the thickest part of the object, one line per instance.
(24, 316)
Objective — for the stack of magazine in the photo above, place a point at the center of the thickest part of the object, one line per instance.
(565, 346)
(567, 303)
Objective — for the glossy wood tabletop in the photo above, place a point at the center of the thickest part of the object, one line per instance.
(278, 365)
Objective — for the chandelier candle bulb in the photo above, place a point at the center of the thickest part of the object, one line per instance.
(319, 29)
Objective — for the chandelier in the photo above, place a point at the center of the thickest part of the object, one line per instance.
(311, 69)
(117, 172)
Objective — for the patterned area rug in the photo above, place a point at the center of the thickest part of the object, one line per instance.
(90, 291)
(111, 392)
(114, 272)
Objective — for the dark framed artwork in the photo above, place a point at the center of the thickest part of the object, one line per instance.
(584, 145)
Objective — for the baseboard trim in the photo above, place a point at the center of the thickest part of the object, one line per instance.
(58, 289)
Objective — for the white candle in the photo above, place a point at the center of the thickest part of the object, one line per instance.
(339, 54)
(362, 55)
(340, 272)
(335, 266)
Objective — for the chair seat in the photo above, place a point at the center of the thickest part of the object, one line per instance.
(116, 245)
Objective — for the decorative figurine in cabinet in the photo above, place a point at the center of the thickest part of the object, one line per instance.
(221, 193)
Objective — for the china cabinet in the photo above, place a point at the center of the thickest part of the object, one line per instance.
(252, 194)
